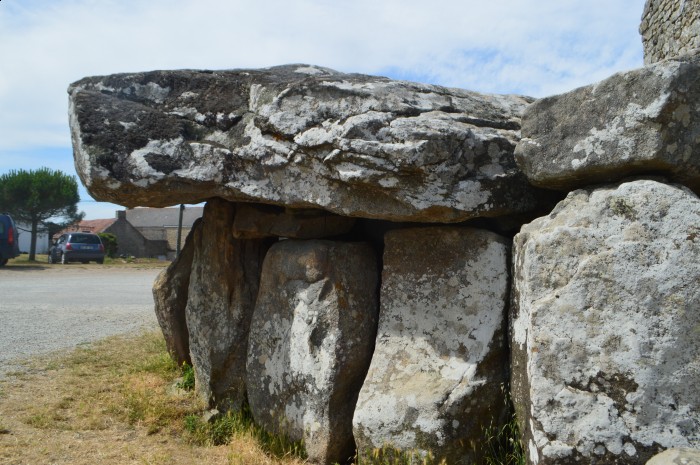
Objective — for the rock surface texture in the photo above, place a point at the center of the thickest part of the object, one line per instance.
(676, 457)
(440, 358)
(638, 122)
(606, 313)
(299, 136)
(311, 341)
(256, 221)
(170, 291)
(670, 28)
(223, 287)
(605, 300)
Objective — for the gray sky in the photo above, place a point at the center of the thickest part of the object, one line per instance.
(533, 47)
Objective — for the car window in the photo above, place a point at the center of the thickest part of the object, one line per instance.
(85, 239)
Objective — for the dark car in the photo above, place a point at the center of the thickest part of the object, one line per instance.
(77, 247)
(9, 244)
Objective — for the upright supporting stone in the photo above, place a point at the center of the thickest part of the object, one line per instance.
(170, 294)
(440, 362)
(311, 342)
(606, 317)
(223, 287)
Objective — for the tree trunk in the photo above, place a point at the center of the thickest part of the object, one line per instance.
(32, 242)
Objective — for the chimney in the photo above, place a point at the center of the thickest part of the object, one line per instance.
(121, 214)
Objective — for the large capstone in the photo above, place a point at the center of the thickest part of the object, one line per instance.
(170, 295)
(311, 342)
(606, 314)
(638, 122)
(299, 136)
(221, 297)
(440, 361)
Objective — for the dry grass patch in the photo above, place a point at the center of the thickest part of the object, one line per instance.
(41, 262)
(116, 402)
(112, 402)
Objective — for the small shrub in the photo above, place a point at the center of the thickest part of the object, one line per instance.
(109, 240)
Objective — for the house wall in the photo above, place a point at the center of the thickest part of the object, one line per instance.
(25, 239)
(132, 243)
(669, 28)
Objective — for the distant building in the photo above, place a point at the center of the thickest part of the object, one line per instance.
(25, 239)
(161, 223)
(144, 232)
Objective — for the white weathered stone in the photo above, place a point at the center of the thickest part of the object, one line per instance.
(221, 297)
(311, 342)
(637, 122)
(682, 456)
(606, 314)
(302, 137)
(440, 359)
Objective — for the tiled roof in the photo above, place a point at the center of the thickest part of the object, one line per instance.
(93, 226)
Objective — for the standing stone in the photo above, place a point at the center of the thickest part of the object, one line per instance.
(638, 122)
(223, 287)
(311, 342)
(170, 294)
(605, 324)
(440, 359)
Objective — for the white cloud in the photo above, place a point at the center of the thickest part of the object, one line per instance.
(508, 46)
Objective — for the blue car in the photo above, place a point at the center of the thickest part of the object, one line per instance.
(77, 247)
(9, 244)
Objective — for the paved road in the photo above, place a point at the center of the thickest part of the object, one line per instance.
(44, 308)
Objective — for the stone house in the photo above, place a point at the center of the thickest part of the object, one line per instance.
(161, 224)
(143, 232)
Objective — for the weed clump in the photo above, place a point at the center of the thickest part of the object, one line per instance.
(223, 428)
(187, 381)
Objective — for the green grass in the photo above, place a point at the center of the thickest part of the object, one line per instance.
(42, 259)
(130, 380)
(224, 427)
(503, 445)
(187, 381)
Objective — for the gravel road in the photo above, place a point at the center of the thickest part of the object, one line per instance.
(46, 308)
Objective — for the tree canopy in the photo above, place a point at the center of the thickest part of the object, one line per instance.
(33, 197)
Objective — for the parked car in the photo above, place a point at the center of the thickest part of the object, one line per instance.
(77, 247)
(9, 243)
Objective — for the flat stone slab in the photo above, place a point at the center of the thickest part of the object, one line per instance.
(606, 313)
(256, 221)
(645, 121)
(299, 136)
